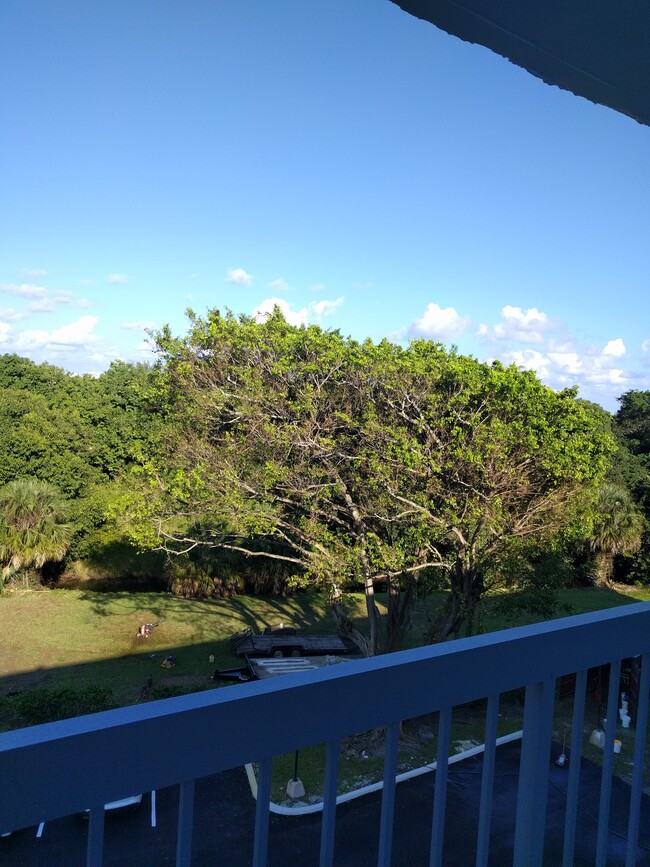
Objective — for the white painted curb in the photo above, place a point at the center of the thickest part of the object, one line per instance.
(303, 810)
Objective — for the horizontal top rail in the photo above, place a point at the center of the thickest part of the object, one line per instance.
(59, 768)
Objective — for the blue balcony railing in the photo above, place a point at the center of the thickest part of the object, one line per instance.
(61, 768)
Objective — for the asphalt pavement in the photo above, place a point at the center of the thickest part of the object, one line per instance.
(224, 821)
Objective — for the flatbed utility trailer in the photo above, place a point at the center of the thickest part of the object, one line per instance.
(261, 669)
(286, 642)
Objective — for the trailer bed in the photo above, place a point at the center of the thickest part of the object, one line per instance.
(283, 643)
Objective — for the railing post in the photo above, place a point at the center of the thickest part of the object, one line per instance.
(440, 788)
(608, 764)
(533, 774)
(261, 842)
(641, 725)
(329, 804)
(487, 781)
(95, 849)
(185, 824)
(388, 795)
(575, 756)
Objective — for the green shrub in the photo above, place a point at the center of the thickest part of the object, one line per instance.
(47, 705)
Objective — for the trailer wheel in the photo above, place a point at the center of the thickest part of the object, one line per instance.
(295, 652)
(277, 654)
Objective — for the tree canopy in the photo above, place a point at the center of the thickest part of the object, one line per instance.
(365, 463)
(80, 434)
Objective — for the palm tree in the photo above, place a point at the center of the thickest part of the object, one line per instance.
(618, 529)
(32, 526)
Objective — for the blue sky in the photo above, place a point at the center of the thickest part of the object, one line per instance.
(369, 172)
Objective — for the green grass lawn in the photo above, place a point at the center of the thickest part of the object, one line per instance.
(80, 639)
(81, 636)
(84, 639)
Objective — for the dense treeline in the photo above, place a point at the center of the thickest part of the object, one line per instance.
(79, 434)
(267, 457)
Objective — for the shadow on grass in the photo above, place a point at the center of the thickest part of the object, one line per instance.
(83, 640)
(87, 639)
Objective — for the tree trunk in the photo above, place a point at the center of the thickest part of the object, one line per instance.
(467, 589)
(345, 625)
(447, 623)
(401, 605)
(604, 569)
(374, 622)
(371, 608)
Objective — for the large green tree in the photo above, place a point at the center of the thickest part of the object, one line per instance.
(497, 460)
(365, 463)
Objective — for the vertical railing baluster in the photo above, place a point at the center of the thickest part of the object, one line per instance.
(533, 774)
(575, 756)
(608, 764)
(388, 795)
(185, 824)
(328, 826)
(95, 849)
(261, 843)
(440, 788)
(641, 724)
(487, 781)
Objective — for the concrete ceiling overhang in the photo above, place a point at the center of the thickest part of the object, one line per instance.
(599, 49)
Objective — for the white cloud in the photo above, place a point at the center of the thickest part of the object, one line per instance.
(613, 376)
(75, 334)
(318, 287)
(11, 315)
(523, 326)
(567, 362)
(117, 279)
(439, 323)
(142, 325)
(5, 332)
(33, 272)
(70, 298)
(645, 346)
(42, 300)
(63, 297)
(43, 305)
(529, 359)
(279, 285)
(23, 290)
(315, 310)
(145, 349)
(293, 317)
(32, 339)
(239, 277)
(591, 369)
(615, 348)
(325, 308)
